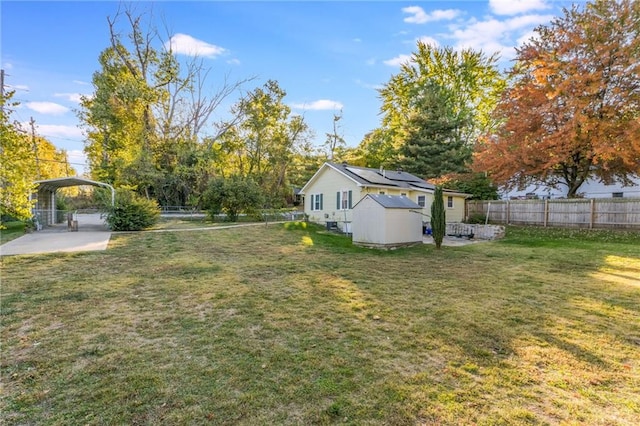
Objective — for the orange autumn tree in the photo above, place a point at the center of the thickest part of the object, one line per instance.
(572, 110)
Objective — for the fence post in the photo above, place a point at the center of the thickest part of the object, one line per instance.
(593, 213)
(546, 212)
(508, 211)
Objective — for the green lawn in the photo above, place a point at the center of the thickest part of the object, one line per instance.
(290, 325)
(11, 231)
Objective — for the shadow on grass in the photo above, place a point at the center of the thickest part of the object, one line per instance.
(293, 325)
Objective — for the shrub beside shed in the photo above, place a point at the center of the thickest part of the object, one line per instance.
(386, 221)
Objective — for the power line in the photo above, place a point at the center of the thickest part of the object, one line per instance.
(64, 162)
(35, 145)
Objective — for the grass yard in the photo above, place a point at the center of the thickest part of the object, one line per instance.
(290, 325)
(11, 231)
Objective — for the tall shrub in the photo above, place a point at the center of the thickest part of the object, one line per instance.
(438, 220)
(131, 212)
(232, 196)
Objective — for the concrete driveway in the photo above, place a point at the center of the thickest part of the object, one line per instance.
(92, 235)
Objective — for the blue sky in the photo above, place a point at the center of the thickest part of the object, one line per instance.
(327, 55)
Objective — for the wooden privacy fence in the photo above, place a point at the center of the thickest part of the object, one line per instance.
(582, 213)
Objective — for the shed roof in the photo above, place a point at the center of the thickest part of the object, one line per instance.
(392, 201)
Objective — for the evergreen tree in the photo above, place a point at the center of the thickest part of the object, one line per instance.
(438, 219)
(434, 145)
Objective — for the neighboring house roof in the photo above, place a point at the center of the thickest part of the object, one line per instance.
(591, 188)
(391, 201)
(367, 177)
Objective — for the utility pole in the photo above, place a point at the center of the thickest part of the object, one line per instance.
(32, 122)
(1, 90)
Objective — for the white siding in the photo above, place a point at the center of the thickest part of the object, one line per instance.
(369, 223)
(591, 188)
(375, 225)
(329, 182)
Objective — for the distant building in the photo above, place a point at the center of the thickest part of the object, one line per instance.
(592, 188)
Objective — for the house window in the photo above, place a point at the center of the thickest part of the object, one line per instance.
(617, 194)
(403, 194)
(450, 202)
(344, 199)
(381, 192)
(316, 202)
(422, 200)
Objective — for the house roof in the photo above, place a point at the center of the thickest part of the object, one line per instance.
(367, 177)
(392, 201)
(380, 177)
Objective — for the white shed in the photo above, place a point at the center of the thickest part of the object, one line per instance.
(386, 221)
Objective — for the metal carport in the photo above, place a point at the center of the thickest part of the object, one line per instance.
(46, 194)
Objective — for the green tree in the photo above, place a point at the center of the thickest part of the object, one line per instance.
(17, 170)
(433, 144)
(51, 162)
(232, 196)
(118, 117)
(573, 109)
(146, 119)
(262, 144)
(468, 80)
(479, 185)
(376, 150)
(438, 217)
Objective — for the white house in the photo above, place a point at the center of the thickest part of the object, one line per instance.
(591, 188)
(331, 193)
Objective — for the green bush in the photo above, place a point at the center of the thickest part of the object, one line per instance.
(477, 218)
(131, 212)
(233, 196)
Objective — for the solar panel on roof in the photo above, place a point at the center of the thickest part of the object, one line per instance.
(402, 176)
(371, 176)
(423, 184)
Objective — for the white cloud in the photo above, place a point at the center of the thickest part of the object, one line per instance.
(234, 61)
(47, 108)
(429, 41)
(525, 38)
(371, 61)
(80, 82)
(7, 66)
(493, 35)
(367, 85)
(514, 7)
(18, 87)
(357, 40)
(419, 16)
(398, 60)
(319, 105)
(57, 130)
(73, 97)
(186, 45)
